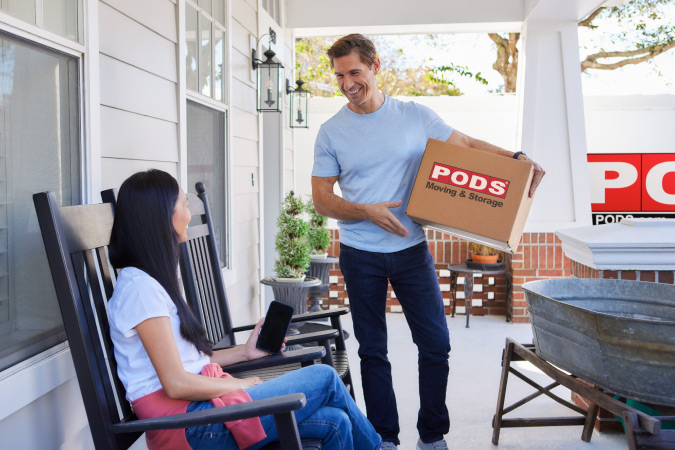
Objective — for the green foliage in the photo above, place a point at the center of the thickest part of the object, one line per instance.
(291, 239)
(629, 34)
(397, 75)
(643, 22)
(318, 236)
(439, 74)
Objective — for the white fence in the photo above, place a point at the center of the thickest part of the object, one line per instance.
(617, 124)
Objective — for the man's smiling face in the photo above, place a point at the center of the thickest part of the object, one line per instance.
(356, 79)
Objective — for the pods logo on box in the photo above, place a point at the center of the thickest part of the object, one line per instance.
(467, 179)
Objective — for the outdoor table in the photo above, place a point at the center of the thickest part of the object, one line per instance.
(469, 271)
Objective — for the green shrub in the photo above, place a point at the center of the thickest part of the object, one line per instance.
(318, 236)
(291, 240)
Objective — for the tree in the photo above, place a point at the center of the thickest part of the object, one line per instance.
(507, 58)
(644, 33)
(400, 75)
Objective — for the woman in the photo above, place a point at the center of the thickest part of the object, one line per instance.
(163, 356)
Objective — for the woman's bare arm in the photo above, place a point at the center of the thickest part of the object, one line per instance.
(157, 338)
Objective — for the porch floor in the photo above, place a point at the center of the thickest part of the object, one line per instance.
(475, 368)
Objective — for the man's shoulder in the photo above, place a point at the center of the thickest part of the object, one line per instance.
(405, 107)
(335, 118)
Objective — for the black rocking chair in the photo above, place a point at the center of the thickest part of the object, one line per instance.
(75, 239)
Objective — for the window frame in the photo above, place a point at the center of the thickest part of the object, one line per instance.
(35, 36)
(39, 21)
(226, 235)
(227, 260)
(225, 29)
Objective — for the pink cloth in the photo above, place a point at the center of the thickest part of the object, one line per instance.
(246, 432)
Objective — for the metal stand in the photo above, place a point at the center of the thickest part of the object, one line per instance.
(641, 428)
(319, 268)
(468, 285)
(292, 293)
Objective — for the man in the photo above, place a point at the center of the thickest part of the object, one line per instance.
(373, 147)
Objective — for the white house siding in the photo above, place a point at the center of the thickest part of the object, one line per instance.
(243, 280)
(138, 88)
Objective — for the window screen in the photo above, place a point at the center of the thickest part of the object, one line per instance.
(39, 142)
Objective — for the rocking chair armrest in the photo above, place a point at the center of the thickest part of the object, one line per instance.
(318, 336)
(320, 314)
(306, 354)
(256, 408)
(302, 317)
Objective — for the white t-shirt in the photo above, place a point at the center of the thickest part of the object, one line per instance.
(138, 297)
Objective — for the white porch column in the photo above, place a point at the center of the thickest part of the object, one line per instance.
(551, 126)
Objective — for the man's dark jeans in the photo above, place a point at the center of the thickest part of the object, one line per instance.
(413, 278)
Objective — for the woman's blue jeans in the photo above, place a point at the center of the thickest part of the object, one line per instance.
(330, 414)
(413, 278)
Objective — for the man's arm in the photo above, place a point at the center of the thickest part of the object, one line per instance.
(328, 204)
(459, 138)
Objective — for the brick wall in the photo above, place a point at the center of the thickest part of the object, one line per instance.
(539, 256)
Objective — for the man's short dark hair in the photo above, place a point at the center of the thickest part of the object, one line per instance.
(353, 43)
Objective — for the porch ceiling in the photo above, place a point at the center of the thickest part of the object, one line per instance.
(321, 17)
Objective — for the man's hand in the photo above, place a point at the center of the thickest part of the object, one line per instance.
(380, 215)
(538, 174)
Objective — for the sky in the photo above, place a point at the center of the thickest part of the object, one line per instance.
(476, 51)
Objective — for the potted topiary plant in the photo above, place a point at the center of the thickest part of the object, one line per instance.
(291, 286)
(318, 235)
(320, 262)
(291, 240)
(482, 254)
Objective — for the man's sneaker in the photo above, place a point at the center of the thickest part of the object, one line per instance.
(438, 445)
(386, 445)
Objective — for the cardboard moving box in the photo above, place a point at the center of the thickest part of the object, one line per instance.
(473, 194)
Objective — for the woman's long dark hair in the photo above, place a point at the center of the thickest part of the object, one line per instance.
(143, 236)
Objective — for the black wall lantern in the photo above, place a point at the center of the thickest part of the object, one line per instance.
(299, 104)
(269, 74)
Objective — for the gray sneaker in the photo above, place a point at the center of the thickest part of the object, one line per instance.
(438, 445)
(386, 445)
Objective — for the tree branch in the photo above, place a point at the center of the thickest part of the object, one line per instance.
(632, 57)
(587, 21)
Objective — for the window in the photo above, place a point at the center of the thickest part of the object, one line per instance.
(39, 150)
(273, 8)
(205, 47)
(207, 162)
(58, 16)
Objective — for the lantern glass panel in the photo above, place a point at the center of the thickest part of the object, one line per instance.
(269, 86)
(299, 108)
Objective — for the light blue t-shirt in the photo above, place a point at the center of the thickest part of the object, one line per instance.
(376, 157)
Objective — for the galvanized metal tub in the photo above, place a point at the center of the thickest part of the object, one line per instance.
(616, 334)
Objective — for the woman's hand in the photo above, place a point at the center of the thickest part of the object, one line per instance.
(250, 349)
(246, 383)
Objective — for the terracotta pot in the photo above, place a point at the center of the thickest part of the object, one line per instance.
(484, 259)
